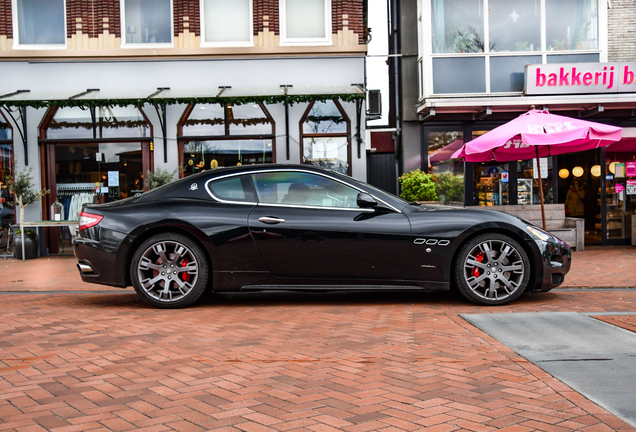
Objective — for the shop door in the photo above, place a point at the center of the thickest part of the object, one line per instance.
(579, 189)
(620, 191)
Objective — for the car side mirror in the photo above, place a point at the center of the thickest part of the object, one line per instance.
(364, 200)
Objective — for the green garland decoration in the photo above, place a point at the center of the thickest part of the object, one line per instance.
(242, 100)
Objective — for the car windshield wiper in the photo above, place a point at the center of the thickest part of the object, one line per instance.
(416, 203)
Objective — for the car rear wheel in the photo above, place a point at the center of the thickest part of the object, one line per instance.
(492, 269)
(169, 271)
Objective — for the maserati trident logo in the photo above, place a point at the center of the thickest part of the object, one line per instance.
(194, 186)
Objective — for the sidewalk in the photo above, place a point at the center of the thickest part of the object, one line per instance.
(595, 267)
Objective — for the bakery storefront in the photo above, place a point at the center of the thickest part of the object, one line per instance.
(596, 185)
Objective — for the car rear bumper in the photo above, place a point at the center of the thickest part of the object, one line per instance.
(97, 263)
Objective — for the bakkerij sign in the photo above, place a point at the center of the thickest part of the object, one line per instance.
(580, 78)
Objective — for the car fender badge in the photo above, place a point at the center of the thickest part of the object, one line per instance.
(194, 186)
(431, 242)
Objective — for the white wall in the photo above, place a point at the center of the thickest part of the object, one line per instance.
(61, 80)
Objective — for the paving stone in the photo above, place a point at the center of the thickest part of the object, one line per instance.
(278, 361)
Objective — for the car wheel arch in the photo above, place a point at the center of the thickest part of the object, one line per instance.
(164, 229)
(515, 235)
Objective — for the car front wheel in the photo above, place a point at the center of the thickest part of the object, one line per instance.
(169, 271)
(492, 269)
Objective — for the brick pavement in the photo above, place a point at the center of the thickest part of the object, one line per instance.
(277, 361)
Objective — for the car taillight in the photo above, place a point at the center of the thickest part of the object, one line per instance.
(87, 220)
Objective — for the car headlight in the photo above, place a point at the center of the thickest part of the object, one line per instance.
(538, 232)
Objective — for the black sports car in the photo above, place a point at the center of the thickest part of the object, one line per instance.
(299, 227)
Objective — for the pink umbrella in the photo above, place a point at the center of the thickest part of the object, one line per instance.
(538, 134)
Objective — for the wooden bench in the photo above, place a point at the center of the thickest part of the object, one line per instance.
(569, 229)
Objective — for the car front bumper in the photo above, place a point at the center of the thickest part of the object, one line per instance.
(556, 259)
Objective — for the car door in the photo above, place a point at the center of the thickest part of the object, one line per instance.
(309, 226)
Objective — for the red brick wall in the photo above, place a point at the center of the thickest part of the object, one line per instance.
(190, 9)
(5, 19)
(353, 8)
(267, 8)
(92, 13)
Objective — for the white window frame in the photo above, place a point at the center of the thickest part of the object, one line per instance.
(125, 45)
(426, 48)
(285, 41)
(16, 33)
(204, 43)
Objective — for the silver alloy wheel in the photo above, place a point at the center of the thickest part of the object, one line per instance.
(168, 271)
(494, 270)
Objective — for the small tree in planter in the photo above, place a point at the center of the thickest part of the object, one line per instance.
(159, 178)
(22, 188)
(417, 186)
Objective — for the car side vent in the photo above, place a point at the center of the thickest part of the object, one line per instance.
(374, 103)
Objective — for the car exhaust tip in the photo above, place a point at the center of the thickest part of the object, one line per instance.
(85, 269)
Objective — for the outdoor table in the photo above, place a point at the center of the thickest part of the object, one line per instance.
(43, 224)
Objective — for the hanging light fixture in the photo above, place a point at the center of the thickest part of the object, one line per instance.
(612, 167)
(596, 170)
(564, 173)
(577, 171)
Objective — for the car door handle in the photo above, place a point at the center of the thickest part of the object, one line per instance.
(271, 220)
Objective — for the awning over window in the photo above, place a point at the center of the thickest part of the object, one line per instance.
(161, 96)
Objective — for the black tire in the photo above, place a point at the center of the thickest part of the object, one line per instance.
(169, 259)
(492, 269)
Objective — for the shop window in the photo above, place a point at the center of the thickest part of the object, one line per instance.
(215, 135)
(305, 22)
(7, 214)
(528, 191)
(147, 22)
(39, 23)
(620, 189)
(79, 168)
(491, 186)
(448, 173)
(325, 136)
(227, 23)
(99, 122)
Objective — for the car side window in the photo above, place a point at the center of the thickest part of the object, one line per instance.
(303, 189)
(236, 188)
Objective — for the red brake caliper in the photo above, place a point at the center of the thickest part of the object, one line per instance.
(185, 276)
(479, 257)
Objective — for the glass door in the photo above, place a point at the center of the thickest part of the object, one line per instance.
(620, 191)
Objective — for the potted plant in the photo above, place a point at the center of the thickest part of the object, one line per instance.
(158, 178)
(449, 187)
(417, 186)
(22, 188)
(31, 244)
(558, 44)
